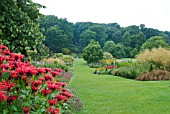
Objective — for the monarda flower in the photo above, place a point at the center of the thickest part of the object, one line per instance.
(34, 88)
(52, 102)
(36, 83)
(7, 85)
(26, 109)
(58, 70)
(53, 73)
(2, 96)
(41, 70)
(45, 92)
(53, 110)
(13, 74)
(11, 98)
(52, 86)
(48, 77)
(60, 97)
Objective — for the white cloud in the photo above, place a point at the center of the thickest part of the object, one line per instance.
(152, 13)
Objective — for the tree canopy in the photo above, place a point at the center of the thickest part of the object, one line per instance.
(19, 29)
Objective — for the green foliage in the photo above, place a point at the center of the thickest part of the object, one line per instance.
(155, 42)
(93, 52)
(19, 29)
(131, 71)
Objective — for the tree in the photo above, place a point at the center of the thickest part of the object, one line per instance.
(19, 29)
(93, 52)
(62, 29)
(56, 39)
(85, 38)
(101, 33)
(154, 42)
(117, 50)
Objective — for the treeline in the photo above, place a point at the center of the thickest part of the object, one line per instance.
(62, 35)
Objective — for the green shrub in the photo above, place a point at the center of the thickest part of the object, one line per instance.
(123, 64)
(107, 55)
(66, 51)
(93, 52)
(57, 55)
(131, 71)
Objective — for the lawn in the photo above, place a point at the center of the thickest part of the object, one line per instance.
(106, 94)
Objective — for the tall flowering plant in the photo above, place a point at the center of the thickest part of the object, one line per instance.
(27, 89)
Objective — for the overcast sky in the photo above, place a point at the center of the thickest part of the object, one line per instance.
(152, 13)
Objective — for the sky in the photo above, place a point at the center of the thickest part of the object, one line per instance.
(153, 13)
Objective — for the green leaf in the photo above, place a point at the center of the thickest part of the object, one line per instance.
(14, 107)
(5, 111)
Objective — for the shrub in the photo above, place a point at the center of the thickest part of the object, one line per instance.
(57, 55)
(93, 52)
(107, 55)
(131, 71)
(66, 51)
(159, 57)
(123, 64)
(27, 89)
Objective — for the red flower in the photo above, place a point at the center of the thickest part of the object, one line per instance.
(54, 73)
(13, 74)
(110, 67)
(41, 79)
(25, 109)
(11, 98)
(52, 102)
(36, 83)
(2, 96)
(41, 70)
(58, 69)
(60, 97)
(3, 47)
(7, 85)
(48, 77)
(48, 69)
(53, 110)
(52, 86)
(45, 92)
(34, 88)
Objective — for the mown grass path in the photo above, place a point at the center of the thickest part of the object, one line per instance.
(105, 94)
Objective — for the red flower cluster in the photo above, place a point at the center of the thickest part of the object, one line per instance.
(53, 110)
(110, 67)
(24, 78)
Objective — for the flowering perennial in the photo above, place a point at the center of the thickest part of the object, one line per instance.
(25, 88)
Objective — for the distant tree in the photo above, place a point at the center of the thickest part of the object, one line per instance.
(85, 38)
(58, 29)
(155, 42)
(101, 33)
(93, 52)
(19, 29)
(126, 39)
(56, 39)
